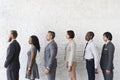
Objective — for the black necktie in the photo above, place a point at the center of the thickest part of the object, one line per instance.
(85, 50)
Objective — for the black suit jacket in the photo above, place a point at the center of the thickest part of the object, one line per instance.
(107, 56)
(12, 59)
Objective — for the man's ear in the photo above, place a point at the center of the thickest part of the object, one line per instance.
(51, 37)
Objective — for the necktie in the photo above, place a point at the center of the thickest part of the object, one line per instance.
(85, 50)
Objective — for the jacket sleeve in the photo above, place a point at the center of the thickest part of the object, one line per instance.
(110, 56)
(72, 54)
(10, 55)
(53, 53)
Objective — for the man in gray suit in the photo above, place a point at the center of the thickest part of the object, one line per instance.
(107, 56)
(12, 60)
(50, 56)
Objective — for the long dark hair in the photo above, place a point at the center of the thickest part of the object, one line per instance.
(35, 42)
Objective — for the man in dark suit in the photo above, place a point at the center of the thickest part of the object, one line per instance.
(50, 56)
(107, 56)
(12, 60)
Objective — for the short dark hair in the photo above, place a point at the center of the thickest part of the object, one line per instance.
(108, 35)
(71, 33)
(91, 34)
(52, 34)
(14, 33)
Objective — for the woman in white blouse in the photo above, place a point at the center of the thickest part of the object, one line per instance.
(70, 51)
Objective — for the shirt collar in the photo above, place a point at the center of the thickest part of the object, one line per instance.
(90, 41)
(50, 41)
(107, 42)
(12, 40)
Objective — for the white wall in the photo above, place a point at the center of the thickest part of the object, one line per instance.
(30, 17)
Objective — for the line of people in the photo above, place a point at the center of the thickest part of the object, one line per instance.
(90, 55)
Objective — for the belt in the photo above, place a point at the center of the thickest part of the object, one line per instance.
(89, 59)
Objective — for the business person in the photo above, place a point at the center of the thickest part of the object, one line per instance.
(32, 68)
(12, 60)
(50, 56)
(70, 52)
(91, 56)
(107, 57)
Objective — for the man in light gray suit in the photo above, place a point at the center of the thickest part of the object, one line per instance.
(12, 60)
(107, 57)
(50, 56)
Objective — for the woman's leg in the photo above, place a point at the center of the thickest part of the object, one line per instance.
(74, 71)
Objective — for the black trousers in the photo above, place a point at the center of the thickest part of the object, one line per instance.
(106, 76)
(12, 74)
(90, 69)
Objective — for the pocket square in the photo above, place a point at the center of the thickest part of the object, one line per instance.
(105, 49)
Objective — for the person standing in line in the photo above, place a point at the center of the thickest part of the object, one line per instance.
(70, 52)
(50, 56)
(107, 57)
(91, 56)
(32, 69)
(12, 60)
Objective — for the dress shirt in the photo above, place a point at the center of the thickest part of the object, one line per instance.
(91, 52)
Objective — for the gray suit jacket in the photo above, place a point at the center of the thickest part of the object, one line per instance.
(50, 55)
(107, 56)
(12, 59)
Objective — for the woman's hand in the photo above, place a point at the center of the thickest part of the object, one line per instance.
(46, 71)
(28, 72)
(69, 68)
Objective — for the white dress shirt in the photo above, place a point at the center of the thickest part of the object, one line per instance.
(91, 52)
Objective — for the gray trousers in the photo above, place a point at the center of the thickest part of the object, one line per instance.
(12, 74)
(52, 74)
(106, 76)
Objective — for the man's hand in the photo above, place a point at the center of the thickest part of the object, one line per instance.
(46, 71)
(108, 72)
(96, 71)
(28, 72)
